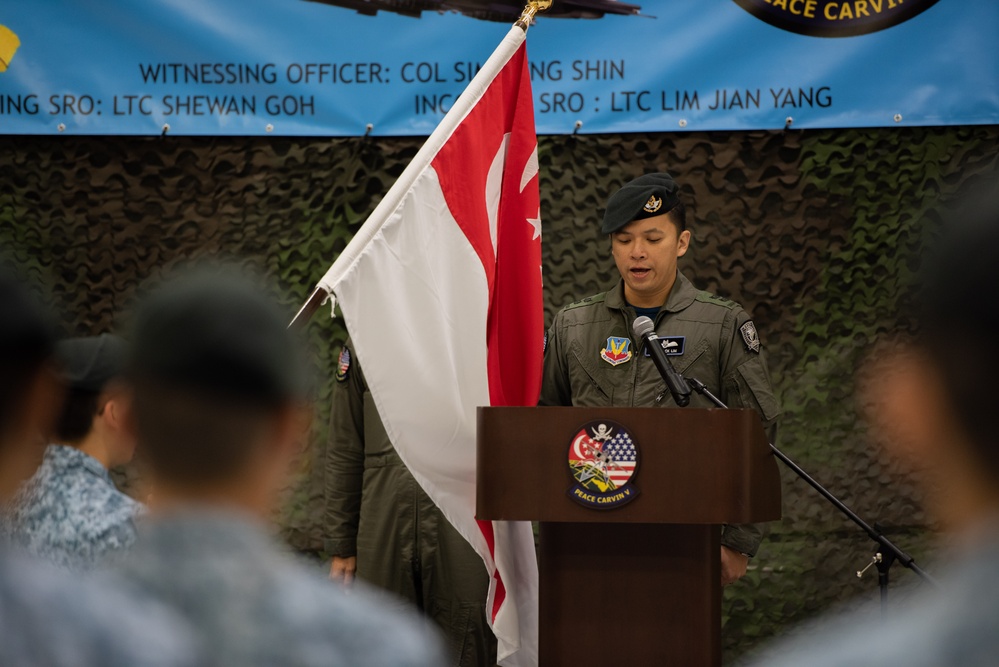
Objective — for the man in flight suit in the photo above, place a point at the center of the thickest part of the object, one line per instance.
(592, 358)
(384, 528)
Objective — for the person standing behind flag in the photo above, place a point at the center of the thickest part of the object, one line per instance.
(384, 528)
(591, 358)
(70, 512)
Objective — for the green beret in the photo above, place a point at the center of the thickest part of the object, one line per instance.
(216, 334)
(90, 363)
(645, 197)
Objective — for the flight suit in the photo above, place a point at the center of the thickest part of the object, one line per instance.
(592, 359)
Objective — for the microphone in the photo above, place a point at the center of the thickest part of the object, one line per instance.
(644, 329)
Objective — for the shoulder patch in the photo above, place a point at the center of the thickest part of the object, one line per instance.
(343, 364)
(708, 297)
(750, 336)
(597, 298)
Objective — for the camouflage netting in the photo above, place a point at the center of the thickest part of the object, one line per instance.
(814, 232)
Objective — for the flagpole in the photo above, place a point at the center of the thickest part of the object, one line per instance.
(309, 308)
(532, 8)
(391, 199)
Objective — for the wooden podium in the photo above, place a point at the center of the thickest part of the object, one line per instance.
(637, 584)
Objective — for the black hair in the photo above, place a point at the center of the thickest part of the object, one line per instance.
(678, 214)
(27, 341)
(77, 417)
(191, 437)
(957, 311)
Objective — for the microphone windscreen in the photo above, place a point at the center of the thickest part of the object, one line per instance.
(642, 326)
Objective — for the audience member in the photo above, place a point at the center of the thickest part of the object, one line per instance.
(216, 411)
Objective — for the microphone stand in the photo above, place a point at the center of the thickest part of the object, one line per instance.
(887, 553)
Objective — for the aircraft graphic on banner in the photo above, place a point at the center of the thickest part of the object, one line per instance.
(488, 10)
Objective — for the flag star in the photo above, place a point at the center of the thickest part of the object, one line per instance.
(536, 223)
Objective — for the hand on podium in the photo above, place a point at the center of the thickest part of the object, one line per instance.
(733, 565)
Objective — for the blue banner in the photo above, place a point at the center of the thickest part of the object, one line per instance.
(303, 67)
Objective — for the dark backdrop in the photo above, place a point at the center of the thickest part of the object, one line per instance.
(813, 232)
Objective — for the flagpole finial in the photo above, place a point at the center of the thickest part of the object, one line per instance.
(532, 8)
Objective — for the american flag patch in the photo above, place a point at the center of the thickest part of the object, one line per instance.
(620, 450)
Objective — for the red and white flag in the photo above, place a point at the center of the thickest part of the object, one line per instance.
(441, 293)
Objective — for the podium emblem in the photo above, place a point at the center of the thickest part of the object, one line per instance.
(603, 458)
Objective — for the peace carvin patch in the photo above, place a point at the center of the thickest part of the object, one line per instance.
(750, 336)
(342, 364)
(603, 459)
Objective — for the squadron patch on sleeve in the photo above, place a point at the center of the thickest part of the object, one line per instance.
(750, 336)
(343, 364)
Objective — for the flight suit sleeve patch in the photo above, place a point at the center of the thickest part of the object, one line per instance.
(750, 336)
(343, 364)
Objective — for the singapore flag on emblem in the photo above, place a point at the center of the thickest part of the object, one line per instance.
(441, 293)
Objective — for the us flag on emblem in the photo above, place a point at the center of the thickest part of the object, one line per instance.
(621, 450)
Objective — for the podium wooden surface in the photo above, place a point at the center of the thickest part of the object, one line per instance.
(638, 584)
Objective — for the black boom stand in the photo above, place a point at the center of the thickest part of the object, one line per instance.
(887, 553)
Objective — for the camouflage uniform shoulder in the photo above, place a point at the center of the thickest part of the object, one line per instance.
(715, 300)
(588, 301)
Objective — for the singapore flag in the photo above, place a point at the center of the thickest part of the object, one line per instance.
(441, 293)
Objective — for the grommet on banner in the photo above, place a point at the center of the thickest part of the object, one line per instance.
(897, 118)
(166, 128)
(683, 122)
(269, 127)
(577, 126)
(788, 122)
(61, 127)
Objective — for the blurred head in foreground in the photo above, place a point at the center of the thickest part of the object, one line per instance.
(935, 398)
(931, 402)
(218, 389)
(30, 392)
